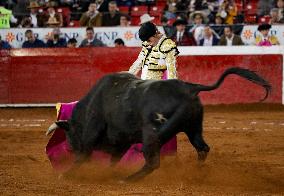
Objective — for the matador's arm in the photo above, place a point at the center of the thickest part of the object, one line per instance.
(169, 49)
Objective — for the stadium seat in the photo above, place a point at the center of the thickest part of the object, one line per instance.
(251, 12)
(157, 20)
(139, 10)
(264, 19)
(156, 10)
(240, 7)
(162, 3)
(124, 9)
(74, 23)
(250, 19)
(66, 13)
(135, 20)
(251, 8)
(171, 21)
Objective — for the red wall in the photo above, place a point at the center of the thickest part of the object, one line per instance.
(207, 69)
(63, 75)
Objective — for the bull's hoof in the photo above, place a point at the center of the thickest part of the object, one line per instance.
(202, 155)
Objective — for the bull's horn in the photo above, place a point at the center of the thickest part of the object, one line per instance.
(51, 129)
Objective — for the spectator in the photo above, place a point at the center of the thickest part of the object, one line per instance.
(4, 44)
(103, 5)
(32, 42)
(264, 7)
(112, 17)
(130, 3)
(35, 16)
(66, 3)
(91, 18)
(52, 22)
(91, 41)
(274, 14)
(198, 5)
(26, 23)
(124, 21)
(6, 17)
(280, 6)
(52, 18)
(181, 6)
(213, 7)
(264, 39)
(170, 10)
(72, 43)
(228, 10)
(119, 42)
(169, 31)
(219, 22)
(42, 3)
(218, 19)
(20, 9)
(229, 38)
(55, 40)
(9, 4)
(197, 30)
(182, 37)
(146, 18)
(209, 38)
(77, 7)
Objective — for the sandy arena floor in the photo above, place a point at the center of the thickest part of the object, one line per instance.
(246, 158)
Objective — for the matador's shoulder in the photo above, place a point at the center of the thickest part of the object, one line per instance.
(167, 45)
(145, 44)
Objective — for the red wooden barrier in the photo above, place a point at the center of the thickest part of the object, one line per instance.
(207, 69)
(64, 75)
(4, 76)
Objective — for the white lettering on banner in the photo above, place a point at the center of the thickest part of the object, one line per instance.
(16, 36)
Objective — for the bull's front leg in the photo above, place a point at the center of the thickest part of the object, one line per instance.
(80, 158)
(151, 152)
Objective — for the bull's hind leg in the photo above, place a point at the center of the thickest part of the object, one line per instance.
(151, 151)
(194, 134)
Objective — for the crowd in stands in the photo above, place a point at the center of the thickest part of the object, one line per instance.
(187, 22)
(66, 13)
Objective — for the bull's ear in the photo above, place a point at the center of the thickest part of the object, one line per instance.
(63, 124)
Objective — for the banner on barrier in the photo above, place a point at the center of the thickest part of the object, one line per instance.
(16, 36)
(107, 35)
(249, 33)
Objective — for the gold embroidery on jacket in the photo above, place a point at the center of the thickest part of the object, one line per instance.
(154, 75)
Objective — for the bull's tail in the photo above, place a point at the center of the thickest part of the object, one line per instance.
(244, 73)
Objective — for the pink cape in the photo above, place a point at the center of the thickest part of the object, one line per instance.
(62, 157)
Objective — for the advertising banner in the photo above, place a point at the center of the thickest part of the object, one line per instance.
(16, 36)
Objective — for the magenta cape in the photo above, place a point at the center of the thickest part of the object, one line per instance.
(62, 157)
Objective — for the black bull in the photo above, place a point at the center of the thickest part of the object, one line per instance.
(121, 110)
